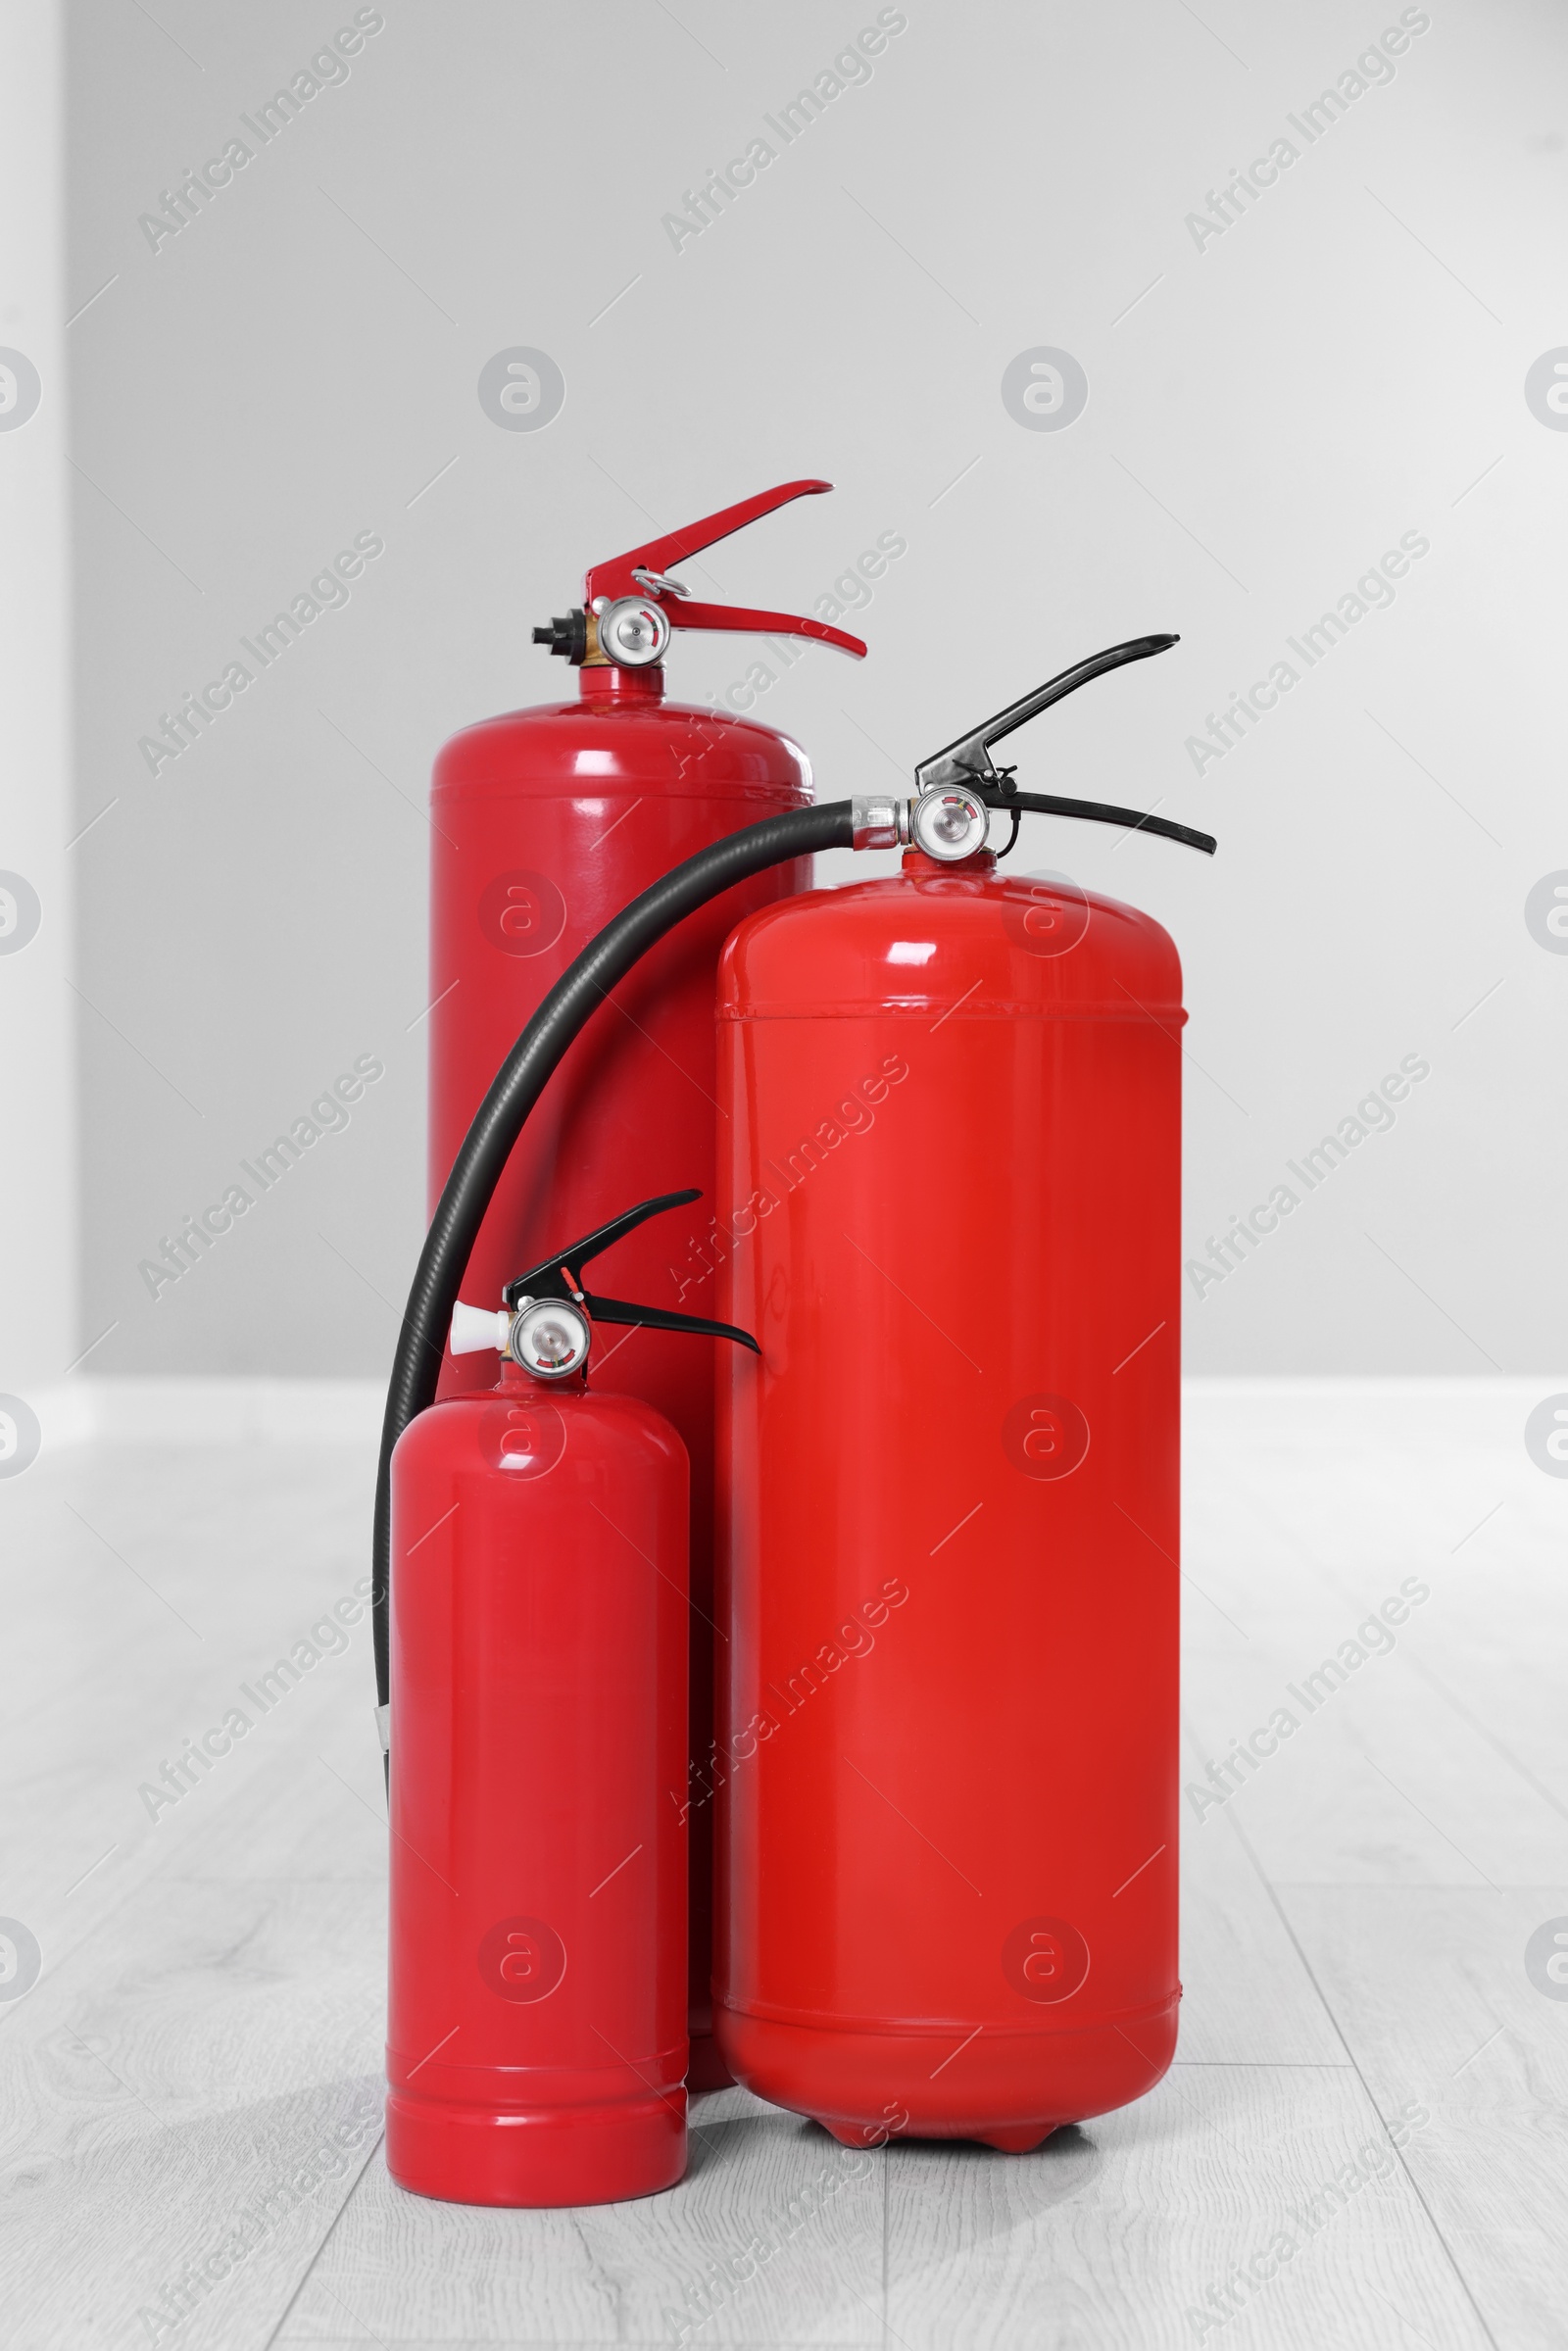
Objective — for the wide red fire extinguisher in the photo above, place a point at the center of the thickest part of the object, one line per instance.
(536, 2037)
(546, 823)
(950, 1184)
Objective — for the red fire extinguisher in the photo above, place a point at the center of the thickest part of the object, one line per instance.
(1020, 1223)
(950, 1184)
(536, 2039)
(546, 823)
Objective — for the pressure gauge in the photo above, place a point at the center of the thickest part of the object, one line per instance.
(633, 631)
(550, 1339)
(949, 823)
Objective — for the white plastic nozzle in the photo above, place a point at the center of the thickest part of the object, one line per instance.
(475, 1328)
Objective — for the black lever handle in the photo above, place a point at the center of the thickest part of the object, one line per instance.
(968, 759)
(558, 1276)
(593, 1245)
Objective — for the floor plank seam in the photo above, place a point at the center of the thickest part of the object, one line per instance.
(354, 2189)
(1415, 2186)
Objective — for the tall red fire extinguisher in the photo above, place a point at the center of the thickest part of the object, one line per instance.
(536, 2026)
(546, 822)
(951, 1178)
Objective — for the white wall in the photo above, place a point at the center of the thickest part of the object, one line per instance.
(1267, 415)
(38, 1299)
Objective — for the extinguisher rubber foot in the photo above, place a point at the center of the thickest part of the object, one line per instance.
(536, 2158)
(1019, 2141)
(855, 2134)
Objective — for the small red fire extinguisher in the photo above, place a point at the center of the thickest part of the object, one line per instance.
(546, 823)
(537, 2044)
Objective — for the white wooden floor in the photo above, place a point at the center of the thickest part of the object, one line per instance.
(188, 2093)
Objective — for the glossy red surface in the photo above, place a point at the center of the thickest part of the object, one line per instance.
(546, 822)
(536, 2033)
(948, 1712)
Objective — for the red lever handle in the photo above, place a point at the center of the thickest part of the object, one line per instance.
(616, 577)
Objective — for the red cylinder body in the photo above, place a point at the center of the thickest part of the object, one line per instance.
(948, 1715)
(546, 823)
(536, 2037)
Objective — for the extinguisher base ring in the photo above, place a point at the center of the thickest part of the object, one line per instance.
(535, 2158)
(1009, 2078)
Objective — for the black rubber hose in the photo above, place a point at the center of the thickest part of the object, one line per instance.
(1098, 812)
(535, 1059)
(523, 1077)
